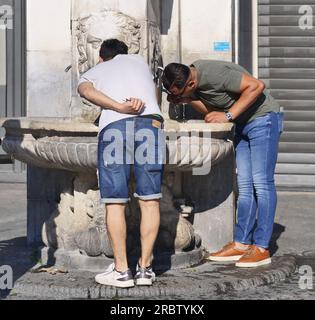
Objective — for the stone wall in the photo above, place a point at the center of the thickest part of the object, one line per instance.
(48, 56)
(190, 30)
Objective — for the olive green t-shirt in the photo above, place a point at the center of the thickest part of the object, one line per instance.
(219, 84)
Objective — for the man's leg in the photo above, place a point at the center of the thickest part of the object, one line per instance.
(264, 140)
(246, 208)
(117, 230)
(148, 174)
(264, 145)
(117, 274)
(150, 223)
(247, 203)
(114, 174)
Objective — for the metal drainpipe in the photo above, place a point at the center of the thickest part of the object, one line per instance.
(148, 34)
(236, 12)
(179, 176)
(255, 37)
(180, 42)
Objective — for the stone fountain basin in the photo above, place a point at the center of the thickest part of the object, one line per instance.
(62, 143)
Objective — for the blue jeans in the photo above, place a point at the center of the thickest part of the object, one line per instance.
(256, 157)
(131, 142)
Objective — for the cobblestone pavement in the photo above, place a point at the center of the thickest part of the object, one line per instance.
(210, 279)
(286, 290)
(294, 234)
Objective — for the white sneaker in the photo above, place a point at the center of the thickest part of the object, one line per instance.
(111, 277)
(144, 276)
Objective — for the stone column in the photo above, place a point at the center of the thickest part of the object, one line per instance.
(48, 95)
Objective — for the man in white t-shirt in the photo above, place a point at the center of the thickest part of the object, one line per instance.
(130, 134)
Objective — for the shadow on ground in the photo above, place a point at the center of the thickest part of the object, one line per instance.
(278, 229)
(16, 254)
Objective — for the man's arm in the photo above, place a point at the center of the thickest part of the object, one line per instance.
(196, 104)
(200, 107)
(132, 106)
(251, 89)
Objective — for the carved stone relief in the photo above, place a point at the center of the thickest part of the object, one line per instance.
(93, 29)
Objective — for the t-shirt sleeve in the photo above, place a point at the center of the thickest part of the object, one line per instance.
(87, 77)
(224, 78)
(231, 80)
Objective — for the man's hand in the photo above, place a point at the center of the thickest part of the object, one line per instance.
(132, 106)
(216, 117)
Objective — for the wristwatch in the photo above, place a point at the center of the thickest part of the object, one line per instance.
(229, 116)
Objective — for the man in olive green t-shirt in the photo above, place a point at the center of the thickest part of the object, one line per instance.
(226, 92)
(219, 85)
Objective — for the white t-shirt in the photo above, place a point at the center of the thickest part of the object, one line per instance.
(124, 77)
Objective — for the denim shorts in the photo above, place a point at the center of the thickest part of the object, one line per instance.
(136, 143)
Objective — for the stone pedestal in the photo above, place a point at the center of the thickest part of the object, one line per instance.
(213, 199)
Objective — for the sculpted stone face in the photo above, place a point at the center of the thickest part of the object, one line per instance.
(95, 28)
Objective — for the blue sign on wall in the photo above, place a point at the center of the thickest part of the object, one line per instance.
(222, 46)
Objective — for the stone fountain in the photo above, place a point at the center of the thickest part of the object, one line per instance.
(65, 217)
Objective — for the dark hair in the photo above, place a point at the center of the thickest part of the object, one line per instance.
(175, 74)
(111, 48)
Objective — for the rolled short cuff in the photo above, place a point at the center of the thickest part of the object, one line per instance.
(157, 196)
(245, 243)
(261, 245)
(114, 201)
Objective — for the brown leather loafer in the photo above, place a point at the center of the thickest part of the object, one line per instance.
(229, 253)
(254, 258)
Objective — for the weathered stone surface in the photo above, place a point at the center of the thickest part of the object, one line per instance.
(84, 111)
(93, 29)
(57, 232)
(206, 281)
(79, 221)
(213, 199)
(66, 145)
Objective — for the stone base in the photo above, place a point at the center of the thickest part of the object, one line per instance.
(206, 281)
(73, 260)
(307, 258)
(213, 199)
